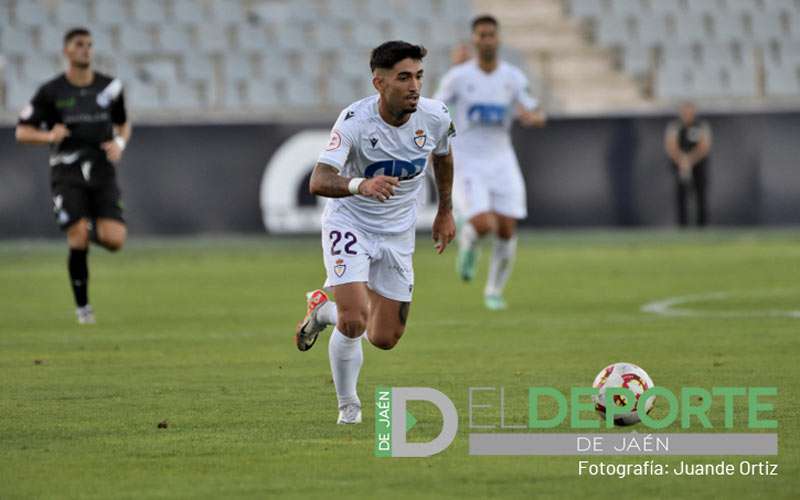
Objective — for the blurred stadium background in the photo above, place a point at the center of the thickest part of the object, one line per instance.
(215, 87)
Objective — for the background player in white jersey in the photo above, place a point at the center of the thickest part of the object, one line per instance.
(486, 94)
(373, 169)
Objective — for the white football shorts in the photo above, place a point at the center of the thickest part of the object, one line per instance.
(383, 261)
(490, 184)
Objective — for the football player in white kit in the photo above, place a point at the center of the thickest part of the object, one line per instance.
(372, 170)
(486, 94)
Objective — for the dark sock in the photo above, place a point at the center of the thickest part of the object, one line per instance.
(79, 275)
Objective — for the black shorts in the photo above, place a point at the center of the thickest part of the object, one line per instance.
(75, 197)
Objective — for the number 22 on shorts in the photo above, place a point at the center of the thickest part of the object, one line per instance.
(336, 238)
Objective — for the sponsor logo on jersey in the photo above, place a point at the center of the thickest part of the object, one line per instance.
(69, 102)
(373, 141)
(401, 169)
(349, 115)
(487, 114)
(340, 267)
(420, 138)
(99, 116)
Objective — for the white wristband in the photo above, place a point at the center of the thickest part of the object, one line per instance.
(120, 142)
(354, 183)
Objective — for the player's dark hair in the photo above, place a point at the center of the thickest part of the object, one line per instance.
(387, 54)
(484, 19)
(72, 33)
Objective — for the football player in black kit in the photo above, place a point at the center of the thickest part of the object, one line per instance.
(81, 115)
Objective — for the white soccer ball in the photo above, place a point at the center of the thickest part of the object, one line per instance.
(625, 375)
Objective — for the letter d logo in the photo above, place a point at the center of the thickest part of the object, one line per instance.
(390, 422)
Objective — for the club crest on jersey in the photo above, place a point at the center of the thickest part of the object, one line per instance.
(339, 268)
(420, 138)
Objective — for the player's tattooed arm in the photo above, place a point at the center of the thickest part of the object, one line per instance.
(444, 227)
(443, 168)
(326, 181)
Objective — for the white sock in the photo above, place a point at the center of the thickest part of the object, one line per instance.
(467, 237)
(346, 356)
(327, 313)
(500, 266)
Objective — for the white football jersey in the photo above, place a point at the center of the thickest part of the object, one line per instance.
(362, 144)
(484, 106)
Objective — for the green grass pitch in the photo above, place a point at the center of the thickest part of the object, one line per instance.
(199, 333)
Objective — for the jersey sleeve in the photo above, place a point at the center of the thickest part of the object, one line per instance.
(447, 130)
(343, 137)
(447, 88)
(523, 96)
(113, 97)
(119, 115)
(41, 109)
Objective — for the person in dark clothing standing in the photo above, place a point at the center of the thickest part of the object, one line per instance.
(688, 144)
(80, 115)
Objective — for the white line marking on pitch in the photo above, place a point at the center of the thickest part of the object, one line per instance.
(668, 307)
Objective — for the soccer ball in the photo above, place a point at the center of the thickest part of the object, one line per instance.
(625, 375)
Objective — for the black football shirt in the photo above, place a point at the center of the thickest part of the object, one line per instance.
(89, 112)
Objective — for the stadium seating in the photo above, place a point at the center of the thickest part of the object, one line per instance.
(71, 13)
(186, 11)
(111, 13)
(31, 14)
(224, 55)
(700, 48)
(148, 11)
